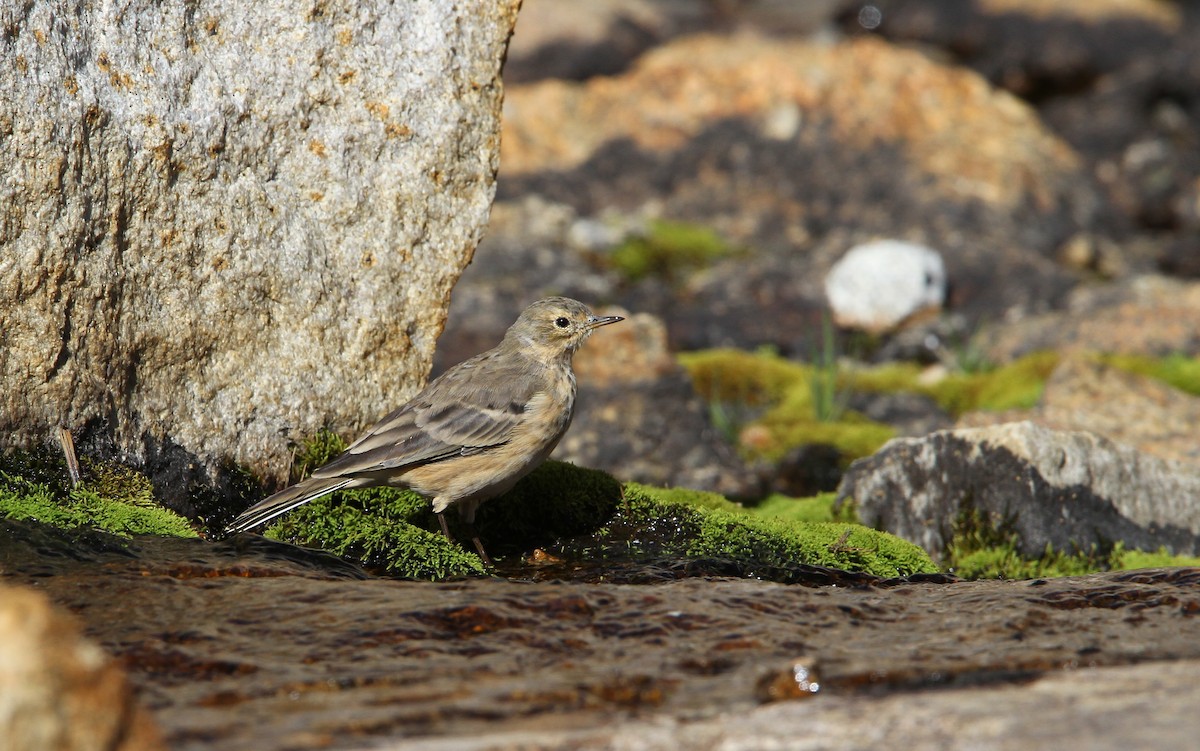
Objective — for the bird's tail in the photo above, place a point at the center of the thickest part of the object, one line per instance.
(286, 500)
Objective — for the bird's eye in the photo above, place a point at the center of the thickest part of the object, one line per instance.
(561, 322)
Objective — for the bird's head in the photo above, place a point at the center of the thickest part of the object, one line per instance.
(557, 325)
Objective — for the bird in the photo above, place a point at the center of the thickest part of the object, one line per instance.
(472, 432)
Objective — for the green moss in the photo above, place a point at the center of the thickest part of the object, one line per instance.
(818, 508)
(668, 250)
(1179, 371)
(776, 397)
(790, 425)
(384, 528)
(732, 375)
(695, 499)
(117, 481)
(671, 524)
(889, 378)
(1131, 559)
(587, 514)
(1016, 385)
(396, 531)
(1005, 562)
(315, 452)
(114, 498)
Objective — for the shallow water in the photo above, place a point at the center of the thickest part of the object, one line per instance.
(249, 644)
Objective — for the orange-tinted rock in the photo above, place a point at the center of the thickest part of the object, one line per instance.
(982, 143)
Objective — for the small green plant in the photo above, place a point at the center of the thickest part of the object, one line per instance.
(829, 392)
(969, 356)
(728, 419)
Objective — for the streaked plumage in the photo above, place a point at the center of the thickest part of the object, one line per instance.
(471, 433)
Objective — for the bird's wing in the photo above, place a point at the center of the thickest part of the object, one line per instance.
(474, 405)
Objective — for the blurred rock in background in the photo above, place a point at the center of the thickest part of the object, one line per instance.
(59, 690)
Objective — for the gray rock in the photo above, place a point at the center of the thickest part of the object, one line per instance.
(1063, 489)
(225, 225)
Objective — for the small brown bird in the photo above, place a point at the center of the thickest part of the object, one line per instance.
(472, 432)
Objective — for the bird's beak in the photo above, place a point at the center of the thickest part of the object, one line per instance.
(595, 322)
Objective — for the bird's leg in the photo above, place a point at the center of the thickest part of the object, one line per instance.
(487, 561)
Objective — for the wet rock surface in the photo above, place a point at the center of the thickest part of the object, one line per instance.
(246, 644)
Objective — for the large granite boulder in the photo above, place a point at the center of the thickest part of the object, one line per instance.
(225, 225)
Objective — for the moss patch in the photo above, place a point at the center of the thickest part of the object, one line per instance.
(588, 516)
(767, 405)
(1005, 562)
(315, 452)
(113, 498)
(1179, 371)
(732, 375)
(396, 532)
(657, 523)
(668, 250)
(1016, 385)
(384, 528)
(770, 405)
(818, 508)
(1131, 559)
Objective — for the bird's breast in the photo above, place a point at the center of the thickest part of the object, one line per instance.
(548, 414)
